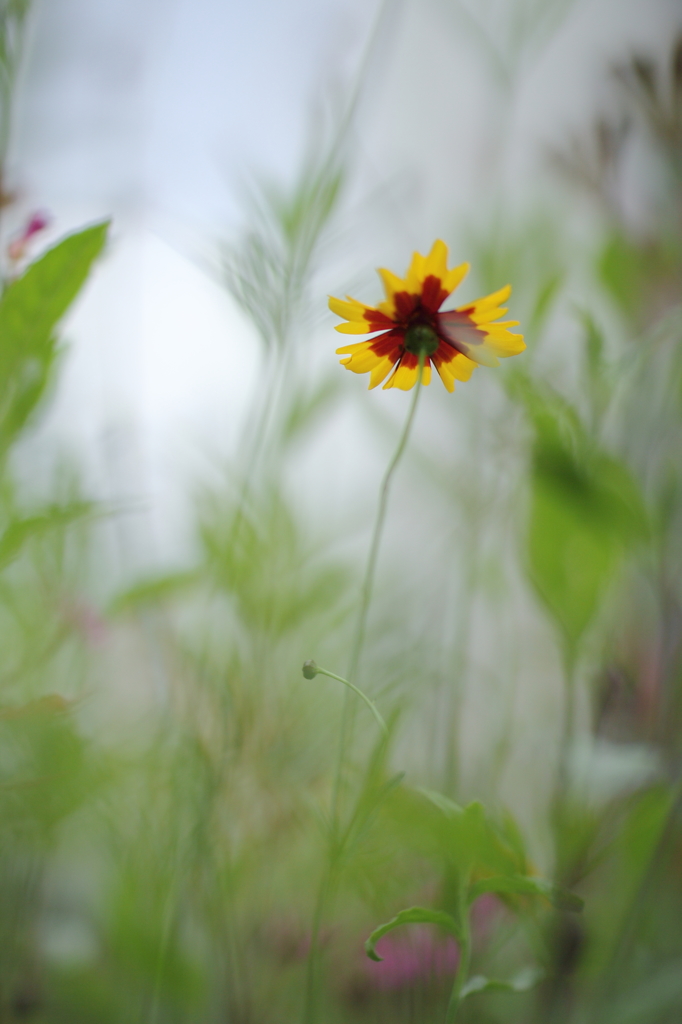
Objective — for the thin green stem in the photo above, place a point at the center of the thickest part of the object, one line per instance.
(310, 1007)
(368, 582)
(363, 696)
(462, 970)
(368, 587)
(568, 727)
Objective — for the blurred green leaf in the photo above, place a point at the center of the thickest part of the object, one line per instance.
(559, 897)
(586, 510)
(154, 591)
(50, 704)
(522, 982)
(260, 556)
(30, 310)
(306, 407)
(471, 840)
(21, 531)
(413, 915)
(651, 1000)
(544, 301)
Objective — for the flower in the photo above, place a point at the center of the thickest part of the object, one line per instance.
(455, 341)
(18, 246)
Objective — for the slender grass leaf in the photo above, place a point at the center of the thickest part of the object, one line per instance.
(413, 915)
(21, 531)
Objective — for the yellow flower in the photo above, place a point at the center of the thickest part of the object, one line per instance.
(409, 322)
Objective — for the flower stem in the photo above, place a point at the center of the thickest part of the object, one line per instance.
(462, 971)
(368, 582)
(310, 1007)
(368, 586)
(356, 689)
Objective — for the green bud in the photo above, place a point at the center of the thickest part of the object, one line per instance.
(421, 338)
(309, 669)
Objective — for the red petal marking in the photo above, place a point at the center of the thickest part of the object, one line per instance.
(405, 303)
(378, 320)
(458, 331)
(388, 343)
(445, 353)
(410, 360)
(433, 294)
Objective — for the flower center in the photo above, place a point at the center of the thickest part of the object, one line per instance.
(421, 338)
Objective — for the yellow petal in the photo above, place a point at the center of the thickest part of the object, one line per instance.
(358, 346)
(350, 310)
(351, 327)
(446, 376)
(363, 362)
(507, 346)
(436, 262)
(391, 282)
(380, 372)
(405, 377)
(485, 316)
(454, 277)
(489, 301)
(414, 278)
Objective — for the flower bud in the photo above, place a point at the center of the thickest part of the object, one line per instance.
(309, 669)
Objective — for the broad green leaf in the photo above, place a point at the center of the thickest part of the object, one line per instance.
(524, 980)
(473, 841)
(524, 885)
(413, 915)
(586, 510)
(30, 310)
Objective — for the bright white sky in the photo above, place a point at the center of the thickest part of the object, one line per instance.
(154, 112)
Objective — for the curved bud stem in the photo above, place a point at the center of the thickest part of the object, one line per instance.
(311, 669)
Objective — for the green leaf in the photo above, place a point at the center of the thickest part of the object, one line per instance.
(30, 310)
(524, 980)
(658, 994)
(413, 915)
(586, 511)
(547, 293)
(153, 591)
(524, 885)
(473, 841)
(21, 531)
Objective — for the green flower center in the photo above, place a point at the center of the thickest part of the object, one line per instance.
(421, 338)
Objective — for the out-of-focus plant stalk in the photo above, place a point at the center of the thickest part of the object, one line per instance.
(462, 969)
(347, 716)
(569, 662)
(368, 585)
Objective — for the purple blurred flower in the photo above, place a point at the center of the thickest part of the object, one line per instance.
(17, 247)
(424, 955)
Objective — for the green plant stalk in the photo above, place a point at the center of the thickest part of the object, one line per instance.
(568, 725)
(310, 1005)
(368, 586)
(363, 696)
(462, 967)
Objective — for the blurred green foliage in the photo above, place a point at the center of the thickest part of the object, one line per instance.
(166, 775)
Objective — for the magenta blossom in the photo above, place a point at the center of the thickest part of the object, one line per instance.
(16, 249)
(424, 955)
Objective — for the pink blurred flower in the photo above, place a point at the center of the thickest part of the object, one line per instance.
(424, 955)
(85, 619)
(16, 249)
